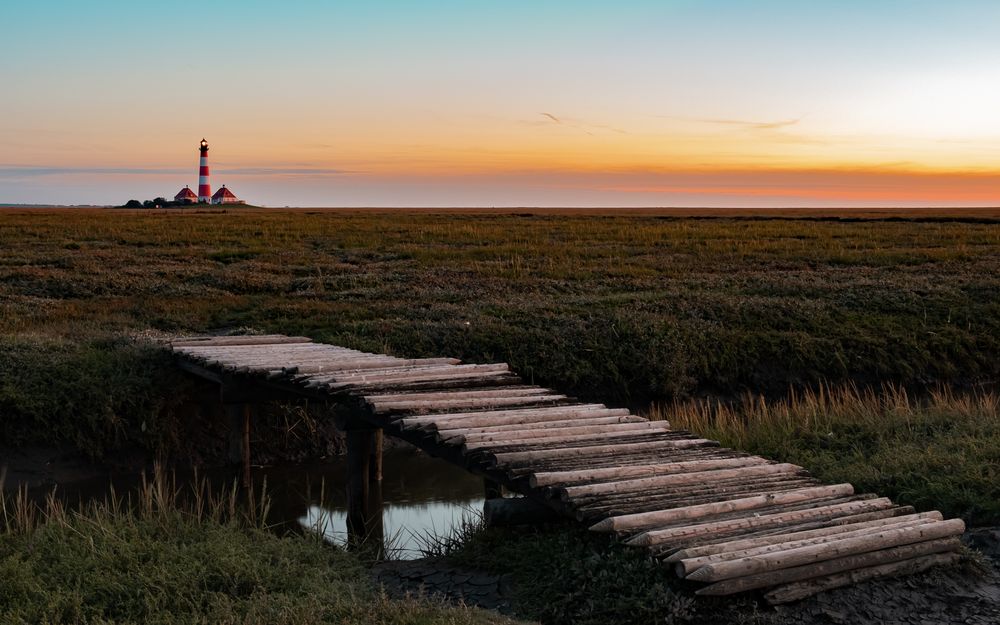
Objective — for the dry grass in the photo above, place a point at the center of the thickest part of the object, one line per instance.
(938, 451)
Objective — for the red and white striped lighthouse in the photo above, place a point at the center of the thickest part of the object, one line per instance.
(204, 189)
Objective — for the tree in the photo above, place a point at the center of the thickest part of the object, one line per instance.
(133, 204)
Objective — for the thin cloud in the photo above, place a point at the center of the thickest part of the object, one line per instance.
(578, 124)
(284, 171)
(30, 170)
(21, 171)
(751, 125)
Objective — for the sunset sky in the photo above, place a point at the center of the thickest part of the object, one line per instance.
(666, 103)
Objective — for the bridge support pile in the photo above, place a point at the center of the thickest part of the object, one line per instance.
(733, 521)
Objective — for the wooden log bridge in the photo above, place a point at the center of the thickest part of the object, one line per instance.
(730, 520)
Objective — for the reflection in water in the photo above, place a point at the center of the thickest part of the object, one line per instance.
(405, 525)
(421, 495)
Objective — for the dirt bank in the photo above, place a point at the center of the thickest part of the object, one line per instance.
(968, 594)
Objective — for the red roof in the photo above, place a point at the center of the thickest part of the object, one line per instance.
(224, 192)
(185, 194)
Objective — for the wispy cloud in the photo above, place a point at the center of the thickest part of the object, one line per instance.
(284, 171)
(21, 171)
(32, 170)
(576, 123)
(751, 125)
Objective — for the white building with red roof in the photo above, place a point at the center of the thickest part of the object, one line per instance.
(225, 196)
(186, 195)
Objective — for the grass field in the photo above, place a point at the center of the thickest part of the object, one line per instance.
(626, 307)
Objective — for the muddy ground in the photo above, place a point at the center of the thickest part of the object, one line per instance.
(968, 594)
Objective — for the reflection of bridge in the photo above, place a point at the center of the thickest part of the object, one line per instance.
(737, 521)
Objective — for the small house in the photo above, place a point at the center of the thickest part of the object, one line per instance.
(186, 196)
(225, 196)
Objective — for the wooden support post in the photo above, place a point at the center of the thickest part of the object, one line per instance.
(240, 416)
(248, 411)
(375, 466)
(364, 488)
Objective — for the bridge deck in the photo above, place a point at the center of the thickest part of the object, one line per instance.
(735, 521)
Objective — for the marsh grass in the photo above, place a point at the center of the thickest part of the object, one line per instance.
(568, 576)
(188, 555)
(939, 450)
(621, 308)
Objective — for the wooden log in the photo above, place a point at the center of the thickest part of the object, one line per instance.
(513, 437)
(681, 494)
(801, 590)
(510, 391)
(594, 450)
(263, 353)
(634, 458)
(472, 402)
(686, 566)
(705, 478)
(777, 519)
(305, 353)
(271, 339)
(472, 381)
(499, 512)
(548, 442)
(480, 433)
(561, 412)
(347, 378)
(391, 372)
(665, 517)
(372, 363)
(314, 364)
(567, 478)
(829, 567)
(361, 383)
(598, 508)
(262, 348)
(728, 546)
(834, 549)
(514, 416)
(593, 513)
(881, 508)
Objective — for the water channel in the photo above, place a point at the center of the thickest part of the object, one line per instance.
(421, 495)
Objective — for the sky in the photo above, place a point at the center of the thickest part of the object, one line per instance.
(516, 103)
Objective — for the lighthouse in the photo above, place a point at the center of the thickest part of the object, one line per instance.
(204, 189)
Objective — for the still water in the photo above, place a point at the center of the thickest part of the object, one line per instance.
(422, 496)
